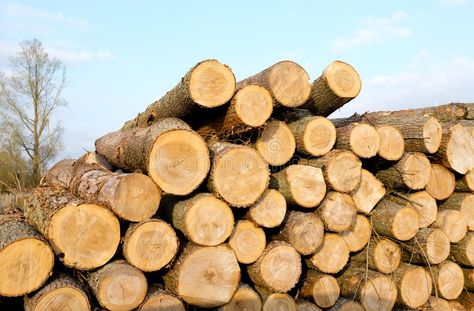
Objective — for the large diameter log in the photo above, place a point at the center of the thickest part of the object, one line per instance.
(150, 245)
(374, 290)
(448, 280)
(344, 304)
(247, 241)
(441, 183)
(337, 212)
(342, 169)
(414, 283)
(466, 182)
(245, 298)
(463, 202)
(175, 157)
(239, 175)
(425, 205)
(118, 286)
(392, 143)
(429, 245)
(208, 84)
(315, 136)
(62, 292)
(338, 84)
(393, 218)
(276, 143)
(331, 256)
(452, 223)
(159, 299)
(204, 219)
(287, 82)
(300, 185)
(26, 259)
(369, 192)
(363, 139)
(205, 276)
(358, 236)
(269, 211)
(412, 171)
(457, 149)
(321, 288)
(73, 228)
(463, 252)
(381, 254)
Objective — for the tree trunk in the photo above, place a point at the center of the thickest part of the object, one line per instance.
(321, 288)
(457, 149)
(269, 211)
(205, 276)
(414, 285)
(331, 256)
(150, 245)
(463, 252)
(369, 192)
(159, 299)
(452, 223)
(344, 304)
(315, 136)
(361, 138)
(463, 202)
(466, 182)
(72, 227)
(245, 298)
(448, 280)
(428, 246)
(358, 236)
(337, 212)
(381, 254)
(338, 84)
(247, 241)
(208, 84)
(287, 82)
(276, 143)
(118, 286)
(392, 143)
(441, 183)
(425, 205)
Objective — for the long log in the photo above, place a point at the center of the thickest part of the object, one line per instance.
(159, 299)
(414, 283)
(463, 202)
(448, 280)
(359, 235)
(315, 136)
(269, 211)
(457, 149)
(392, 143)
(463, 251)
(369, 192)
(381, 254)
(321, 288)
(337, 211)
(425, 205)
(452, 223)
(331, 256)
(361, 138)
(466, 182)
(429, 245)
(247, 241)
(276, 143)
(441, 183)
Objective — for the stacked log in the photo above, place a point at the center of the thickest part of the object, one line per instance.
(248, 196)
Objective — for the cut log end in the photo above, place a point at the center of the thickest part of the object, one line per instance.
(303, 305)
(307, 185)
(337, 212)
(358, 236)
(426, 207)
(405, 224)
(322, 288)
(441, 182)
(344, 171)
(276, 143)
(279, 302)
(419, 278)
(269, 211)
(437, 246)
(162, 301)
(369, 192)
(432, 134)
(449, 280)
(247, 241)
(347, 305)
(343, 79)
(437, 304)
(253, 105)
(378, 293)
(244, 299)
(304, 231)
(416, 171)
(453, 224)
(459, 152)
(387, 255)
(289, 83)
(332, 255)
(319, 136)
(364, 140)
(392, 144)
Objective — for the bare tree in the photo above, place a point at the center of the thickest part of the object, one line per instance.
(28, 97)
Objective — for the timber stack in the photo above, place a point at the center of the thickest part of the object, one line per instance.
(248, 196)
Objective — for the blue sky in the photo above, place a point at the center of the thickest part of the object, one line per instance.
(121, 55)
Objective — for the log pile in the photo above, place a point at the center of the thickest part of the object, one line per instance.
(246, 196)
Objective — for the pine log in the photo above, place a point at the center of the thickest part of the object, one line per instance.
(374, 290)
(159, 299)
(337, 211)
(72, 227)
(133, 197)
(457, 149)
(414, 284)
(204, 219)
(412, 171)
(26, 259)
(304, 305)
(452, 223)
(441, 183)
(463, 252)
(463, 202)
(208, 84)
(300, 185)
(448, 280)
(276, 143)
(369, 192)
(342, 169)
(303, 231)
(466, 182)
(247, 241)
(239, 175)
(467, 300)
(358, 236)
(381, 254)
(456, 306)
(287, 82)
(269, 211)
(468, 279)
(436, 304)
(321, 288)
(61, 293)
(392, 143)
(175, 157)
(331, 256)
(118, 286)
(338, 84)
(315, 136)
(425, 205)
(344, 304)
(205, 276)
(361, 138)
(245, 298)
(429, 245)
(150, 245)
(394, 219)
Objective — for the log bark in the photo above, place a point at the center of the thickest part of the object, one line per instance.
(429, 245)
(245, 298)
(467, 300)
(381, 254)
(408, 277)
(338, 84)
(369, 192)
(425, 205)
(175, 157)
(392, 143)
(441, 183)
(321, 288)
(344, 304)
(331, 256)
(468, 279)
(159, 299)
(208, 84)
(463, 252)
(361, 138)
(276, 143)
(452, 223)
(247, 241)
(448, 280)
(315, 136)
(269, 211)
(337, 211)
(463, 202)
(359, 235)
(457, 149)
(456, 306)
(466, 182)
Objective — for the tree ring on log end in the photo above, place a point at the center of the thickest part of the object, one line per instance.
(279, 302)
(344, 171)
(276, 143)
(392, 144)
(289, 83)
(319, 136)
(379, 293)
(307, 185)
(253, 105)
(365, 140)
(432, 134)
(387, 256)
(405, 224)
(343, 79)
(281, 268)
(419, 279)
(63, 298)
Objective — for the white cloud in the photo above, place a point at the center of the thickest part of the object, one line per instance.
(454, 2)
(372, 31)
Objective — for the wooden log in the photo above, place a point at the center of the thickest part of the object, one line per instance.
(466, 182)
(408, 278)
(118, 286)
(287, 82)
(150, 245)
(452, 223)
(337, 211)
(361, 138)
(463, 252)
(60, 292)
(245, 298)
(392, 143)
(342, 169)
(463, 202)
(300, 185)
(279, 302)
(208, 84)
(393, 218)
(175, 157)
(448, 280)
(429, 245)
(374, 290)
(304, 305)
(303, 231)
(321, 288)
(331, 256)
(338, 84)
(412, 171)
(247, 241)
(436, 304)
(96, 159)
(279, 257)
(159, 299)
(456, 306)
(369, 192)
(425, 205)
(468, 278)
(315, 136)
(344, 304)
(239, 175)
(276, 143)
(441, 183)
(205, 276)
(72, 227)
(381, 254)
(26, 259)
(269, 211)
(457, 149)
(203, 219)
(467, 300)
(359, 235)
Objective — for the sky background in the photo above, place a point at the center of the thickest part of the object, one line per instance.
(122, 55)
